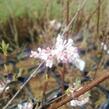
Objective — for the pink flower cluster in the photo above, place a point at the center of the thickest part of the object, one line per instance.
(63, 51)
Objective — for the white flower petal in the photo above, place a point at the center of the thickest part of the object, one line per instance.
(80, 64)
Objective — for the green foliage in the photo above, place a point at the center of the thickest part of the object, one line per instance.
(4, 47)
(34, 8)
(16, 8)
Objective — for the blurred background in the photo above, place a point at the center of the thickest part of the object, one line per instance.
(27, 24)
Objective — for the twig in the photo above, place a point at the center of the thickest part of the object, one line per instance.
(65, 99)
(97, 35)
(98, 17)
(67, 11)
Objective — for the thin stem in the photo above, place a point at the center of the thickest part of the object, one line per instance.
(67, 15)
(13, 25)
(67, 11)
(45, 87)
(76, 14)
(62, 79)
(32, 75)
(91, 15)
(98, 17)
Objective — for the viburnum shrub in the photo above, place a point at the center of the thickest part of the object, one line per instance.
(64, 51)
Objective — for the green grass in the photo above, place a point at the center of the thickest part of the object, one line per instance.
(36, 8)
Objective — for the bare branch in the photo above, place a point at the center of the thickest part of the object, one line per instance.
(65, 99)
